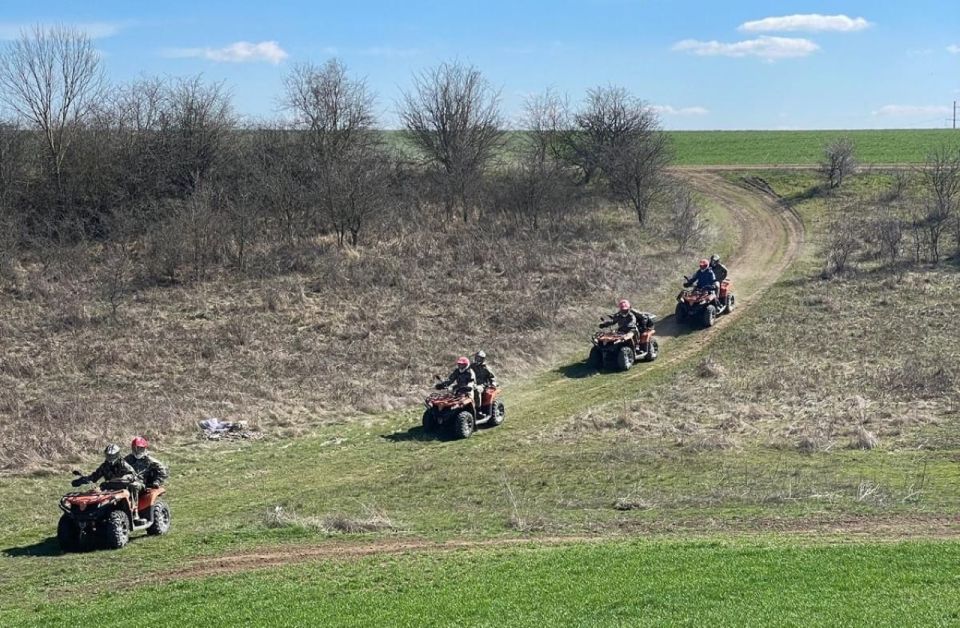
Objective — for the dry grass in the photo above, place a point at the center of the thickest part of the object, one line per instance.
(373, 520)
(313, 334)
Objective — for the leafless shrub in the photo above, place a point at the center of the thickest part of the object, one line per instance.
(710, 369)
(687, 221)
(632, 503)
(452, 117)
(843, 240)
(940, 180)
(838, 162)
(617, 137)
(863, 439)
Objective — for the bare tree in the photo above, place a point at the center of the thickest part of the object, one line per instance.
(838, 162)
(452, 116)
(52, 77)
(347, 163)
(941, 184)
(538, 183)
(195, 125)
(687, 218)
(619, 138)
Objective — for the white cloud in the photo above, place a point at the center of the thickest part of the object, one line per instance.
(767, 48)
(93, 30)
(810, 23)
(239, 52)
(954, 49)
(670, 110)
(906, 111)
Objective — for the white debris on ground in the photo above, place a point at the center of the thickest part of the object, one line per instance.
(215, 429)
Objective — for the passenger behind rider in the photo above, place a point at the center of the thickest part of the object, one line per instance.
(152, 472)
(704, 278)
(464, 378)
(117, 474)
(624, 319)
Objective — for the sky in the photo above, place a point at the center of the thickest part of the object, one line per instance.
(705, 64)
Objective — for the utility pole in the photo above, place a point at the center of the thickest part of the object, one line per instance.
(954, 114)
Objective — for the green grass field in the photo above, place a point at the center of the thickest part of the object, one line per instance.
(712, 447)
(805, 147)
(704, 583)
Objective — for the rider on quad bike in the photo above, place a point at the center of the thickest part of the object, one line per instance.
(632, 341)
(705, 295)
(152, 472)
(116, 473)
(467, 406)
(109, 514)
(485, 376)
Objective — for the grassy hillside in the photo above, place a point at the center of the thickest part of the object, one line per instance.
(804, 147)
(758, 429)
(619, 583)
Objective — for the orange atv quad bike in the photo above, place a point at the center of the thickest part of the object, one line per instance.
(695, 306)
(617, 350)
(457, 411)
(103, 516)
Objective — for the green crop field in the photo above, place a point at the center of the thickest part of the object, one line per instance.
(805, 147)
(705, 583)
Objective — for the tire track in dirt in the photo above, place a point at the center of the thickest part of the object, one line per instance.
(848, 529)
(771, 237)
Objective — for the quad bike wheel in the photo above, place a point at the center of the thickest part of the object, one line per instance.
(68, 534)
(596, 358)
(115, 530)
(625, 358)
(709, 316)
(463, 425)
(731, 303)
(652, 352)
(161, 519)
(497, 417)
(429, 420)
(680, 313)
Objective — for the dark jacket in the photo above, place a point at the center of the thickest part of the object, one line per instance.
(625, 321)
(118, 471)
(463, 379)
(485, 376)
(719, 270)
(703, 279)
(152, 472)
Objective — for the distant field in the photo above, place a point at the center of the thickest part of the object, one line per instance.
(804, 147)
(636, 583)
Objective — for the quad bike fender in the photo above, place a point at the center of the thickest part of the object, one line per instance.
(489, 394)
(148, 497)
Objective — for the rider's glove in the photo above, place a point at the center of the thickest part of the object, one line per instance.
(78, 481)
(438, 385)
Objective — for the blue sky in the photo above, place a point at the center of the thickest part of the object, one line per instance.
(706, 64)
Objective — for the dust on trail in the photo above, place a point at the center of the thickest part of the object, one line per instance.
(771, 237)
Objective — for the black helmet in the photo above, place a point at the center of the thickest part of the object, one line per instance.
(714, 259)
(480, 356)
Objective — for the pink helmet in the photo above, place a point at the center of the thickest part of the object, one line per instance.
(463, 361)
(139, 441)
(624, 305)
(704, 263)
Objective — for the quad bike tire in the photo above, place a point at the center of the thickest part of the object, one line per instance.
(114, 531)
(625, 358)
(680, 314)
(595, 359)
(498, 413)
(68, 534)
(731, 303)
(161, 519)
(653, 351)
(463, 425)
(709, 316)
(429, 420)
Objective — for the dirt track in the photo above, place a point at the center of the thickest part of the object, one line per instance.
(770, 238)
